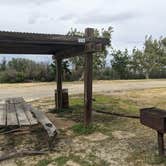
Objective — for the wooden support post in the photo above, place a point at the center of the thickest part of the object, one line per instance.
(88, 88)
(88, 81)
(160, 143)
(59, 82)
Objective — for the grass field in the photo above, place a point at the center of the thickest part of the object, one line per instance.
(111, 140)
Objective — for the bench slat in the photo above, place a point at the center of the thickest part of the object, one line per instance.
(2, 115)
(24, 115)
(18, 112)
(15, 100)
(22, 118)
(47, 124)
(11, 115)
(29, 114)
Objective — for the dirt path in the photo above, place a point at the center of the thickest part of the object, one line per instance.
(32, 91)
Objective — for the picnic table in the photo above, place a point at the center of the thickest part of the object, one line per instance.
(15, 112)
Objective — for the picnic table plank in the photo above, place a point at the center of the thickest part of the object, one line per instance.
(16, 100)
(2, 115)
(19, 107)
(11, 114)
(22, 118)
(29, 114)
(47, 124)
(19, 113)
(24, 113)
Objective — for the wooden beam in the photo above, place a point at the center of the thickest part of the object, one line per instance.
(88, 81)
(31, 43)
(59, 83)
(69, 52)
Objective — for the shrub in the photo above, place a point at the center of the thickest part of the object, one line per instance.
(11, 76)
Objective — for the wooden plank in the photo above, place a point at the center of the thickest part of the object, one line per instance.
(16, 103)
(17, 100)
(26, 116)
(21, 116)
(30, 116)
(47, 124)
(69, 52)
(2, 115)
(11, 114)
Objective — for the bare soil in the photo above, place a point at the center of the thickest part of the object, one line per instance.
(117, 141)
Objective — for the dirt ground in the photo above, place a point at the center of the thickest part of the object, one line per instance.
(32, 91)
(115, 141)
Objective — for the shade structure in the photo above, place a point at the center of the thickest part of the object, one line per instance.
(60, 46)
(35, 43)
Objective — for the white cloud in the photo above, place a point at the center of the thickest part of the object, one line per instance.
(24, 2)
(131, 19)
(96, 17)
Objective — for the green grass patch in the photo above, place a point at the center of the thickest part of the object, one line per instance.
(44, 162)
(60, 161)
(81, 129)
(106, 103)
(115, 104)
(61, 111)
(155, 160)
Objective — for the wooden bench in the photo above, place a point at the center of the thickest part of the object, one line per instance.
(15, 112)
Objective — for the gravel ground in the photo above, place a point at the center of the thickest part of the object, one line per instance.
(32, 91)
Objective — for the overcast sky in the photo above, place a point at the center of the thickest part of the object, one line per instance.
(131, 19)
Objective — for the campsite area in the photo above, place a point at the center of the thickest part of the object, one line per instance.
(112, 140)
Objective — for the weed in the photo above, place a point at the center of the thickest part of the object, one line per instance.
(61, 160)
(81, 129)
(44, 162)
(155, 160)
(19, 163)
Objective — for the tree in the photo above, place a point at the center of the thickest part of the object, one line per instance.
(164, 42)
(3, 65)
(99, 59)
(150, 58)
(135, 65)
(120, 62)
(66, 73)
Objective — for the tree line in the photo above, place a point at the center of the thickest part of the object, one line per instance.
(148, 62)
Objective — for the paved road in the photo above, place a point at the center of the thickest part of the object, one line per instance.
(32, 91)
